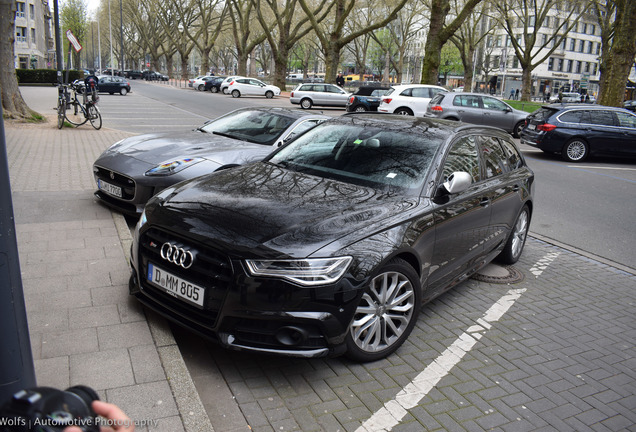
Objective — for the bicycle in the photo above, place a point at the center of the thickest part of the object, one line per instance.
(82, 112)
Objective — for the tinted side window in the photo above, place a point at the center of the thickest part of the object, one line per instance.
(514, 158)
(495, 160)
(407, 92)
(626, 120)
(463, 156)
(466, 101)
(571, 117)
(604, 118)
(542, 114)
(421, 92)
(437, 99)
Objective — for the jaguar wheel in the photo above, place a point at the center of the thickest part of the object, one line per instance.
(386, 314)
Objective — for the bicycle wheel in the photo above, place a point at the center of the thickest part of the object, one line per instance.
(76, 114)
(61, 110)
(95, 116)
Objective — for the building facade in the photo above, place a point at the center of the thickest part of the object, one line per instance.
(34, 45)
(572, 66)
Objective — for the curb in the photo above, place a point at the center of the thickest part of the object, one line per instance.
(189, 404)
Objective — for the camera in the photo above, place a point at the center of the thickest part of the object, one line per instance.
(45, 409)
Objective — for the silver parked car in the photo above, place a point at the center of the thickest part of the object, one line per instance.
(130, 172)
(479, 109)
(310, 94)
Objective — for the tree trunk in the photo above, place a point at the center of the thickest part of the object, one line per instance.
(615, 72)
(433, 47)
(242, 62)
(184, 66)
(526, 84)
(205, 60)
(13, 106)
(332, 59)
(280, 67)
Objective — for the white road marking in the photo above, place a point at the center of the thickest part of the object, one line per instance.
(602, 168)
(410, 396)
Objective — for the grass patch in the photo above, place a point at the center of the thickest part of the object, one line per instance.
(524, 106)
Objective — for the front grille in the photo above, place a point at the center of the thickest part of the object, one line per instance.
(126, 183)
(211, 270)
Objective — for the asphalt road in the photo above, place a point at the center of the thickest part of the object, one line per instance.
(588, 206)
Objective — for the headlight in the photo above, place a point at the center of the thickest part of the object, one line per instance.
(308, 272)
(171, 167)
(142, 220)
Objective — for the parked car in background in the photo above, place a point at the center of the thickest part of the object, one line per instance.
(134, 169)
(214, 85)
(132, 74)
(226, 83)
(319, 94)
(199, 83)
(149, 75)
(332, 244)
(566, 97)
(630, 105)
(252, 87)
(192, 80)
(113, 84)
(477, 108)
(409, 99)
(579, 131)
(366, 98)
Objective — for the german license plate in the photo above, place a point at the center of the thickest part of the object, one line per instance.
(175, 285)
(532, 127)
(109, 188)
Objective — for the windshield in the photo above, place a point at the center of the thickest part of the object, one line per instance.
(259, 127)
(362, 154)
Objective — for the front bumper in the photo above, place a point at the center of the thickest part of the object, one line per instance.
(242, 312)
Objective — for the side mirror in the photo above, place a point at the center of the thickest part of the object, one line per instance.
(457, 182)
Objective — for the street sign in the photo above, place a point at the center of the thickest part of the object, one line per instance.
(73, 40)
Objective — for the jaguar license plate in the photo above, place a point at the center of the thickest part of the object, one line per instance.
(175, 285)
(109, 188)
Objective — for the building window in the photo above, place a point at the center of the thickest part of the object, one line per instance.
(20, 34)
(24, 62)
(590, 47)
(32, 11)
(33, 41)
(583, 28)
(547, 21)
(592, 29)
(578, 67)
(19, 12)
(581, 46)
(595, 69)
(515, 62)
(544, 39)
(550, 64)
(572, 44)
(569, 69)
(598, 49)
(560, 65)
(556, 22)
(563, 43)
(587, 67)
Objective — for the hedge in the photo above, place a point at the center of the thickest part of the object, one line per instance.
(44, 76)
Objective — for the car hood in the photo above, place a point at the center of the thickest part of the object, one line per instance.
(153, 149)
(265, 211)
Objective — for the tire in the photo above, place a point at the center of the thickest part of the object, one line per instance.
(360, 108)
(95, 117)
(236, 94)
(517, 238)
(201, 87)
(214, 89)
(225, 90)
(403, 111)
(575, 150)
(370, 337)
(306, 103)
(269, 94)
(61, 109)
(123, 91)
(516, 132)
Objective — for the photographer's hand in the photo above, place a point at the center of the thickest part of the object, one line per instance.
(112, 413)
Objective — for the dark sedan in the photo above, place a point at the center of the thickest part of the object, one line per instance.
(366, 98)
(578, 131)
(113, 84)
(333, 243)
(136, 168)
(213, 85)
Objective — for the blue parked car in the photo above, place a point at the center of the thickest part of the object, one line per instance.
(366, 98)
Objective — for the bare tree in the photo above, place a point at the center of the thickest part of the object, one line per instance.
(73, 17)
(290, 28)
(176, 17)
(439, 33)
(13, 105)
(207, 27)
(526, 23)
(618, 38)
(145, 22)
(246, 35)
(334, 38)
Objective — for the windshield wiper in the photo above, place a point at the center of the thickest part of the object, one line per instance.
(229, 136)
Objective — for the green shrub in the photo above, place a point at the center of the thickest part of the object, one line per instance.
(44, 76)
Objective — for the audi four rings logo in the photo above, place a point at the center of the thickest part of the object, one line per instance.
(177, 255)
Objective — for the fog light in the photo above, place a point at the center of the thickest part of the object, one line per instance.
(291, 336)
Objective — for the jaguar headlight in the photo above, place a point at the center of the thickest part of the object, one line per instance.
(172, 167)
(308, 272)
